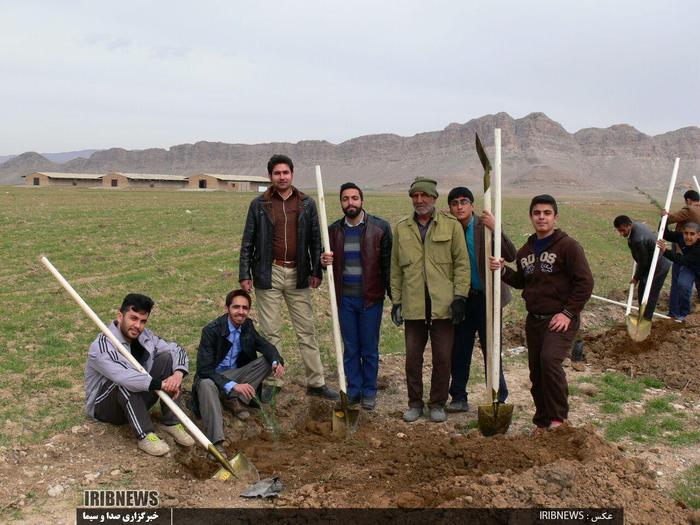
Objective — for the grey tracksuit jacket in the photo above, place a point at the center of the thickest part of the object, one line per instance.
(105, 364)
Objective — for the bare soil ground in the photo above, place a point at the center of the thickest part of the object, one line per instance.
(388, 463)
(671, 353)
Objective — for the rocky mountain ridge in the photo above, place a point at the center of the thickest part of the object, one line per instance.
(537, 151)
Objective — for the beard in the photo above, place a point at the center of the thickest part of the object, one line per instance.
(351, 212)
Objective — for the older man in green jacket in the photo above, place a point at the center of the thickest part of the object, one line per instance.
(429, 286)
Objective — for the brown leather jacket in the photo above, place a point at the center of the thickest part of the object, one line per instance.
(375, 252)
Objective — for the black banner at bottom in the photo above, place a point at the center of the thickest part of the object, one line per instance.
(229, 516)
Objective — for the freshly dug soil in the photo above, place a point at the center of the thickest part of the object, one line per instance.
(670, 354)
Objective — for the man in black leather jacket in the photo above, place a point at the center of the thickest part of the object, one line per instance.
(280, 257)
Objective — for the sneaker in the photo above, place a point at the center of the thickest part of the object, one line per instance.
(369, 402)
(179, 434)
(412, 414)
(437, 415)
(322, 391)
(219, 445)
(153, 445)
(457, 406)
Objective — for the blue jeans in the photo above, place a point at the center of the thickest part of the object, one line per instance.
(682, 280)
(359, 326)
(463, 346)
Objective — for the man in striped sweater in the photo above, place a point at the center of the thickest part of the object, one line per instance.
(118, 393)
(360, 253)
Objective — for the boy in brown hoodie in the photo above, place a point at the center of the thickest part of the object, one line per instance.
(556, 281)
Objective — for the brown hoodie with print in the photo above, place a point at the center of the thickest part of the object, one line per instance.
(557, 280)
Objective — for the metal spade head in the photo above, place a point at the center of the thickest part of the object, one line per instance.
(239, 467)
(345, 417)
(494, 418)
(486, 164)
(638, 327)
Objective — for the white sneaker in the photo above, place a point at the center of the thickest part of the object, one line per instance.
(153, 445)
(179, 434)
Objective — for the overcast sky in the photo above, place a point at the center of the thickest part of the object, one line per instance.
(99, 74)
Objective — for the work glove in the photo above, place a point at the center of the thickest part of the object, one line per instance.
(396, 317)
(459, 309)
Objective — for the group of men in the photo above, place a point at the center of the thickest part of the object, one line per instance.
(432, 266)
(683, 259)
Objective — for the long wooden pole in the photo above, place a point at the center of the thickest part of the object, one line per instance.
(488, 290)
(630, 294)
(337, 340)
(618, 303)
(165, 398)
(496, 330)
(659, 236)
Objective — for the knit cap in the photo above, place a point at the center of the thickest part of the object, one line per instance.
(427, 186)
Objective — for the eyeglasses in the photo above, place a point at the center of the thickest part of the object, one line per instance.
(460, 202)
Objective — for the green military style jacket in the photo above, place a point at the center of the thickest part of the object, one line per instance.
(441, 263)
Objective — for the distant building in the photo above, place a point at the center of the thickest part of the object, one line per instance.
(49, 178)
(116, 179)
(215, 181)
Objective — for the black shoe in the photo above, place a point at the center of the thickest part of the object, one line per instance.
(577, 351)
(369, 403)
(458, 406)
(322, 391)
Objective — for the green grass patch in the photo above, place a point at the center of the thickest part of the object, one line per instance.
(611, 408)
(659, 405)
(617, 388)
(650, 428)
(651, 382)
(688, 488)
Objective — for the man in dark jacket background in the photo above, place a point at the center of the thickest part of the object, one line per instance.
(280, 256)
(228, 366)
(360, 252)
(461, 202)
(642, 243)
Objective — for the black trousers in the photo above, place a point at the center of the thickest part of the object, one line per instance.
(117, 405)
(465, 335)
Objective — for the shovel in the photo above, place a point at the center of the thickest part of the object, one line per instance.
(493, 417)
(638, 327)
(345, 418)
(239, 467)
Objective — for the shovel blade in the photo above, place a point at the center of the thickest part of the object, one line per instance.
(345, 421)
(638, 328)
(494, 418)
(241, 467)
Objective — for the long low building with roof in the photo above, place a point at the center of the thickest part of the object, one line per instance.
(50, 178)
(117, 179)
(217, 181)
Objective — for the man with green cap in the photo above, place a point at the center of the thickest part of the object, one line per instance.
(429, 286)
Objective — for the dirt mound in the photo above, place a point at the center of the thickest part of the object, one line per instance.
(386, 463)
(670, 354)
